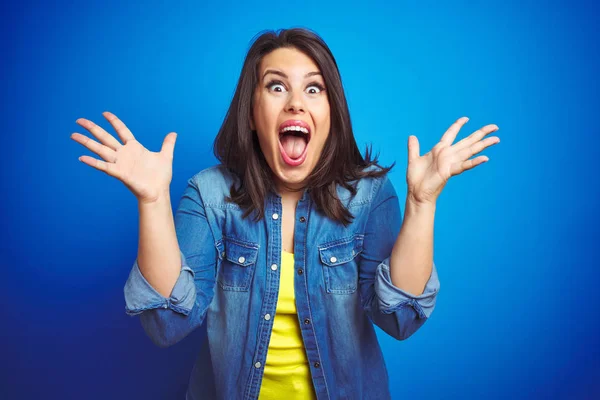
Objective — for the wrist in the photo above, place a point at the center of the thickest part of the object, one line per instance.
(416, 206)
(161, 197)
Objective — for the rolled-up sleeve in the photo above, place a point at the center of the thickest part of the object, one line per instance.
(396, 311)
(392, 298)
(141, 296)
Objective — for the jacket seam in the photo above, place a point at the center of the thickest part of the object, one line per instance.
(312, 326)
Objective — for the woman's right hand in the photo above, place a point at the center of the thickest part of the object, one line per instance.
(147, 174)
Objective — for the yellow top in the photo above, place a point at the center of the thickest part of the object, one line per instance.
(287, 374)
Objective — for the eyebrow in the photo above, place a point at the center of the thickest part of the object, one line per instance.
(273, 71)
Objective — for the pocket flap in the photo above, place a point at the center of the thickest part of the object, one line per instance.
(341, 251)
(240, 253)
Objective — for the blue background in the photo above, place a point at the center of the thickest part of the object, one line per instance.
(517, 314)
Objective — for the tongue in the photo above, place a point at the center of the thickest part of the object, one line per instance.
(293, 145)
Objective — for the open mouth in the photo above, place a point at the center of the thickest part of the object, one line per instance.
(294, 137)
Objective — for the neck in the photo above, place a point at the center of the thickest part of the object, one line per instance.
(287, 195)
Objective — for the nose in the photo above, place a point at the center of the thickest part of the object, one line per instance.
(295, 103)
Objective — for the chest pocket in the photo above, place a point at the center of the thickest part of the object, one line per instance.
(238, 262)
(340, 265)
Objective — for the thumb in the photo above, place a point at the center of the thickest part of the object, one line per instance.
(413, 148)
(168, 145)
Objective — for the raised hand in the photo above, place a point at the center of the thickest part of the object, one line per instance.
(427, 175)
(145, 173)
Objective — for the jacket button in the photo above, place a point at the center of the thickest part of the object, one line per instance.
(241, 260)
(274, 267)
(257, 365)
(307, 321)
(300, 272)
(275, 216)
(317, 365)
(333, 259)
(302, 219)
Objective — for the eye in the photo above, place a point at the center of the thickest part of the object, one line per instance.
(273, 84)
(319, 87)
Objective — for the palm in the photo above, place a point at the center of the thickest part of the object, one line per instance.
(427, 175)
(141, 170)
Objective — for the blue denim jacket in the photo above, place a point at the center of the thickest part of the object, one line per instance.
(230, 279)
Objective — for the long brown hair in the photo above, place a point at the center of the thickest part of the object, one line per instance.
(237, 148)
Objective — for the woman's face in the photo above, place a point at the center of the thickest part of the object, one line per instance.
(290, 91)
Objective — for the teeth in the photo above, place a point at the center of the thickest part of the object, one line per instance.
(295, 128)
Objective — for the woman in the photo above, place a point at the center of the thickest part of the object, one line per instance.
(292, 247)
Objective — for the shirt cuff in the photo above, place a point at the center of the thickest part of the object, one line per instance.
(392, 298)
(141, 296)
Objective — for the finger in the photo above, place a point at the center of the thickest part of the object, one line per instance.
(100, 134)
(122, 130)
(168, 146)
(477, 147)
(451, 133)
(105, 152)
(476, 136)
(413, 148)
(108, 168)
(460, 167)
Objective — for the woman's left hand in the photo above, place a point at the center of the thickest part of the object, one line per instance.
(427, 175)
